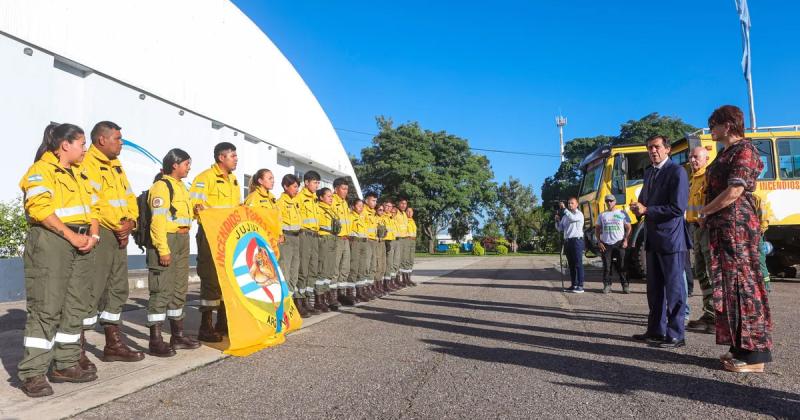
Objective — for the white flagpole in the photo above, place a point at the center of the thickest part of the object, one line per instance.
(744, 20)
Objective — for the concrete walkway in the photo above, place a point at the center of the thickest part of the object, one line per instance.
(119, 379)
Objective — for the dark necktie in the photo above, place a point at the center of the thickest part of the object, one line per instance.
(652, 184)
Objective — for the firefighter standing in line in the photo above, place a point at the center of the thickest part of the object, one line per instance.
(117, 211)
(406, 243)
(215, 187)
(342, 264)
(58, 260)
(290, 247)
(309, 282)
(358, 247)
(327, 248)
(391, 246)
(371, 223)
(380, 252)
(168, 254)
(412, 237)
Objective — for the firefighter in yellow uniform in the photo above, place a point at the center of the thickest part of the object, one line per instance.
(342, 265)
(379, 254)
(412, 237)
(168, 254)
(58, 259)
(309, 282)
(401, 221)
(260, 195)
(118, 211)
(371, 291)
(407, 244)
(215, 187)
(391, 246)
(290, 247)
(358, 250)
(701, 254)
(328, 236)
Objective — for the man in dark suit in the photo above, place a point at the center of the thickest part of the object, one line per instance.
(662, 202)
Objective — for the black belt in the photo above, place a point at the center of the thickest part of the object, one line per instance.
(291, 232)
(353, 238)
(308, 232)
(79, 229)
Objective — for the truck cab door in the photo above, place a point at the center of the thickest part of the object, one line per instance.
(619, 179)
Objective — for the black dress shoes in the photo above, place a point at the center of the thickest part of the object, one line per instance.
(650, 338)
(671, 343)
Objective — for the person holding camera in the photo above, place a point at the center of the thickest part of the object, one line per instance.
(613, 228)
(570, 222)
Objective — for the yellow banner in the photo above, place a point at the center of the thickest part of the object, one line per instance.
(244, 244)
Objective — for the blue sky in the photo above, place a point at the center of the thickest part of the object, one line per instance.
(497, 73)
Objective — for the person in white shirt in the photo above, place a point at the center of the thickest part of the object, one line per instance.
(613, 228)
(570, 221)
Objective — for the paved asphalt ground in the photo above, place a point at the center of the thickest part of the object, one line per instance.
(497, 339)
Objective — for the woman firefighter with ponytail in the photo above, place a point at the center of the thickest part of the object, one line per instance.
(168, 254)
(58, 260)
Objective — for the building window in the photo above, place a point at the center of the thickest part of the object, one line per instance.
(247, 184)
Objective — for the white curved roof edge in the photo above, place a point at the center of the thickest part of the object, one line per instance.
(206, 56)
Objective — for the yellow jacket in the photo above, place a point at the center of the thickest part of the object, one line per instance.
(163, 222)
(412, 228)
(391, 228)
(309, 213)
(764, 212)
(359, 228)
(48, 188)
(290, 213)
(109, 182)
(401, 224)
(697, 195)
(260, 197)
(326, 216)
(370, 222)
(213, 190)
(342, 211)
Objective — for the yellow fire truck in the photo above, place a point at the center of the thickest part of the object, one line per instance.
(619, 170)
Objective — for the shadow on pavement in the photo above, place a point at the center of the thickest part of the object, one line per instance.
(636, 351)
(543, 311)
(14, 319)
(623, 379)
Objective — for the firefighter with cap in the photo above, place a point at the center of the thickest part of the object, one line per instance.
(117, 211)
(216, 187)
(58, 258)
(168, 254)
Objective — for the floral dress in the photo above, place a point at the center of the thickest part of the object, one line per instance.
(743, 318)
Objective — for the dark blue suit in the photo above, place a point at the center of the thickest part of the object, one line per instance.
(665, 193)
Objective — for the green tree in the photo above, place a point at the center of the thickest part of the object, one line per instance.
(636, 132)
(436, 171)
(13, 228)
(515, 210)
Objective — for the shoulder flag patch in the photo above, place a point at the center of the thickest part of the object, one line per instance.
(200, 185)
(35, 178)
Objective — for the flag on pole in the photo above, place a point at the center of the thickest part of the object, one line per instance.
(244, 246)
(744, 19)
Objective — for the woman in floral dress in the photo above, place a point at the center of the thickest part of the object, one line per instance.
(743, 319)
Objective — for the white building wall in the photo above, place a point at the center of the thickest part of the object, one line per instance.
(33, 92)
